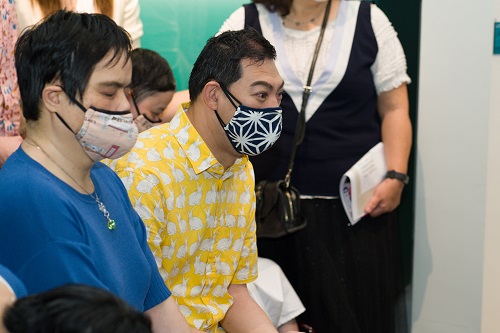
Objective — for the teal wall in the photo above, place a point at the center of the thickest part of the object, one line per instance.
(178, 29)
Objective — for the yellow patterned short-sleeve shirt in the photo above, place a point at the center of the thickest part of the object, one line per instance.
(199, 217)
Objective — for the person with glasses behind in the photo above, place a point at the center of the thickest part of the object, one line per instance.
(153, 86)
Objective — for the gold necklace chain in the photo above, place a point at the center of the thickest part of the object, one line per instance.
(299, 23)
(100, 205)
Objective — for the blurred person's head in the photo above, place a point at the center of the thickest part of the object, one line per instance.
(74, 309)
(153, 86)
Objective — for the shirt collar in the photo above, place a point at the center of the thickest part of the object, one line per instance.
(196, 150)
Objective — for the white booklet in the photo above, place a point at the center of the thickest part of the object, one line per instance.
(359, 182)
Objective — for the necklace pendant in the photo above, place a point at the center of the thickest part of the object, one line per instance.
(111, 224)
(101, 206)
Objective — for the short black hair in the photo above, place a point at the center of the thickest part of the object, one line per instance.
(74, 308)
(151, 73)
(220, 59)
(65, 46)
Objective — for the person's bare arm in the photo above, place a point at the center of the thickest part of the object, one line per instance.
(245, 315)
(397, 139)
(289, 326)
(167, 318)
(179, 97)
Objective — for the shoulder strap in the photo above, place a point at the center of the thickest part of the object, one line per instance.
(301, 122)
(252, 17)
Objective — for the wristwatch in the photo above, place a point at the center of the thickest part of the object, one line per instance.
(393, 174)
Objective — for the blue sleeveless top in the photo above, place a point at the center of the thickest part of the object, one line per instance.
(343, 128)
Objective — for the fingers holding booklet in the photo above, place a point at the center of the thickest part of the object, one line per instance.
(358, 184)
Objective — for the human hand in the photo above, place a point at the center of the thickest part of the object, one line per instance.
(386, 197)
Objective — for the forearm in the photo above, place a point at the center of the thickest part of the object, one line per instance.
(397, 139)
(396, 128)
(289, 326)
(167, 318)
(396, 136)
(245, 315)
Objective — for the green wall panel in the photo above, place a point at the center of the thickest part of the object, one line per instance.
(178, 29)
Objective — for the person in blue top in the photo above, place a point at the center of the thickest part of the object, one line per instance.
(65, 217)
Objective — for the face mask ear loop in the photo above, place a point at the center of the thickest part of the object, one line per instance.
(139, 112)
(230, 96)
(72, 99)
(151, 121)
(65, 123)
(135, 104)
(220, 119)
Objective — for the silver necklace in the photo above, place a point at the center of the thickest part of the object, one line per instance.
(299, 23)
(102, 207)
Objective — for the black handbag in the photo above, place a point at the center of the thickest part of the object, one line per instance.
(278, 211)
(278, 207)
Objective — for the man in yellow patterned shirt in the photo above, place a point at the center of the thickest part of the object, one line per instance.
(192, 183)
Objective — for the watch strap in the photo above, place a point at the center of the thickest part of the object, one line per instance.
(393, 174)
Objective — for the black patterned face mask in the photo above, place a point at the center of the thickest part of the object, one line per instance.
(252, 131)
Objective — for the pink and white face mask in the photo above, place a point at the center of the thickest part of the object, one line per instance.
(105, 134)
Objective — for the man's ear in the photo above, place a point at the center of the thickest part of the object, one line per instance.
(210, 94)
(52, 97)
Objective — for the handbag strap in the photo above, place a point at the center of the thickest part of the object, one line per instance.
(301, 122)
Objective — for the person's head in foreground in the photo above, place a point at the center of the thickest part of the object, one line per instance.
(74, 309)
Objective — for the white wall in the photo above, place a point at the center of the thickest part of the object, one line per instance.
(457, 181)
(491, 286)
